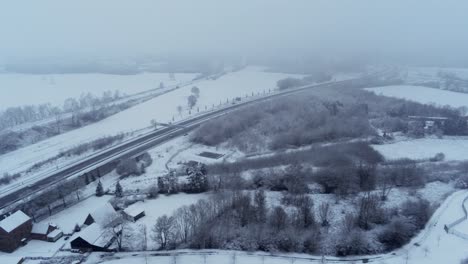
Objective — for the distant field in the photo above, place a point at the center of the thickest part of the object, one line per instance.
(22, 89)
(423, 95)
(453, 148)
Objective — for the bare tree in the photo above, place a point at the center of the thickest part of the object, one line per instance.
(192, 101)
(196, 91)
(117, 229)
(349, 222)
(183, 224)
(163, 231)
(325, 214)
(278, 218)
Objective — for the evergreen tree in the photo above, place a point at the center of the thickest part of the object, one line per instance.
(77, 228)
(118, 190)
(198, 182)
(99, 189)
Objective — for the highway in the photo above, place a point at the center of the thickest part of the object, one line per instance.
(141, 144)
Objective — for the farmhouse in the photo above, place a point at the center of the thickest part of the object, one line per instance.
(92, 238)
(134, 212)
(46, 232)
(103, 216)
(15, 230)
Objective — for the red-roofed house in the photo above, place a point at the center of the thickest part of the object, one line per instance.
(14, 230)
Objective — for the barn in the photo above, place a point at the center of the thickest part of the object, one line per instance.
(134, 212)
(15, 230)
(46, 232)
(92, 238)
(103, 216)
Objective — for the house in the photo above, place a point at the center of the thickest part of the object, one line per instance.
(92, 238)
(42, 231)
(134, 212)
(15, 230)
(103, 216)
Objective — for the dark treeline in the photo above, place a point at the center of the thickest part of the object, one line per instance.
(13, 116)
(61, 123)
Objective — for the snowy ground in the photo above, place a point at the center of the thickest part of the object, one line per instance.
(454, 148)
(162, 108)
(435, 246)
(56, 88)
(423, 95)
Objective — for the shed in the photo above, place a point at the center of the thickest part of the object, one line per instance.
(54, 235)
(134, 212)
(42, 230)
(92, 238)
(14, 230)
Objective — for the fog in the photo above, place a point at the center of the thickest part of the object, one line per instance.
(421, 31)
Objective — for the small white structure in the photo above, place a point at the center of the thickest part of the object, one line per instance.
(134, 212)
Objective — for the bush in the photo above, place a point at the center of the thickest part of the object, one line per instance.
(397, 233)
(438, 157)
(289, 83)
(419, 211)
(128, 167)
(7, 178)
(356, 243)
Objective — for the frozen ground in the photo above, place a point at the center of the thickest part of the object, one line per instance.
(423, 95)
(454, 148)
(162, 109)
(56, 88)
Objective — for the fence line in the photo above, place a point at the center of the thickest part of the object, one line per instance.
(450, 228)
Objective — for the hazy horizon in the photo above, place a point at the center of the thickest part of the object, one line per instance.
(432, 31)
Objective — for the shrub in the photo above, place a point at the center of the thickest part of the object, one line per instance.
(397, 233)
(128, 167)
(419, 211)
(438, 157)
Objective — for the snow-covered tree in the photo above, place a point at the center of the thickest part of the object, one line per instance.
(99, 189)
(118, 190)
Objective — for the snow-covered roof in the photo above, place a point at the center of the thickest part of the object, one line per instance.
(95, 235)
(40, 228)
(54, 233)
(105, 215)
(135, 209)
(14, 221)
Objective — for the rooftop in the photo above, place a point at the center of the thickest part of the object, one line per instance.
(14, 221)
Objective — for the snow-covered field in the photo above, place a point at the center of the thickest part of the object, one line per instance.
(162, 109)
(56, 88)
(423, 95)
(424, 74)
(453, 148)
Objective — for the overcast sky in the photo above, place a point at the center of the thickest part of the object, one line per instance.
(135, 27)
